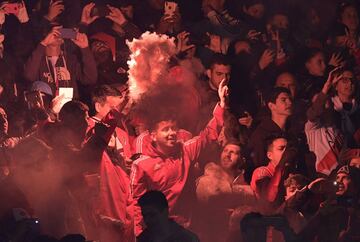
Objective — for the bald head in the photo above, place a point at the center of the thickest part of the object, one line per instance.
(287, 80)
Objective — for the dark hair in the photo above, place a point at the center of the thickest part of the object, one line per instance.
(277, 11)
(155, 199)
(71, 111)
(342, 6)
(73, 238)
(297, 179)
(234, 142)
(248, 219)
(275, 92)
(310, 53)
(249, 3)
(100, 93)
(272, 137)
(219, 59)
(164, 116)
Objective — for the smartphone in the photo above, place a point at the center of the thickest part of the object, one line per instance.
(170, 8)
(67, 33)
(12, 8)
(100, 10)
(34, 99)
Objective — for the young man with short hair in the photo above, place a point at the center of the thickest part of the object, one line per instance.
(167, 166)
(114, 207)
(280, 106)
(266, 180)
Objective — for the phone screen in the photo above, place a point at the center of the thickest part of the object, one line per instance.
(67, 33)
(67, 93)
(170, 8)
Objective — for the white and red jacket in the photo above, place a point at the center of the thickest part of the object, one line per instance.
(155, 171)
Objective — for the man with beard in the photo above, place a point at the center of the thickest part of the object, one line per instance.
(167, 165)
(222, 193)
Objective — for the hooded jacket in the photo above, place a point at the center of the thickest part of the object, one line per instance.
(155, 171)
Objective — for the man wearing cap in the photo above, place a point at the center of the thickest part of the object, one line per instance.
(337, 217)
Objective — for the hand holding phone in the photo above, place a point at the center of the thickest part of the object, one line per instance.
(12, 8)
(170, 8)
(66, 33)
(100, 10)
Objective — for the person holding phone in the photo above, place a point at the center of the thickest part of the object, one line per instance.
(50, 64)
(170, 22)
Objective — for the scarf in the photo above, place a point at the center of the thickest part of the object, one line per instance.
(347, 126)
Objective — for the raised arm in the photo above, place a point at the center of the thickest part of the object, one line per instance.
(211, 132)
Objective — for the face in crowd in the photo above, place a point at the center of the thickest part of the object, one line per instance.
(315, 65)
(230, 157)
(276, 150)
(350, 18)
(256, 10)
(282, 105)
(111, 103)
(288, 81)
(165, 134)
(217, 73)
(344, 184)
(346, 85)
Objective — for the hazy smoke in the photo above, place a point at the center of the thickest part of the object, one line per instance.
(149, 60)
(161, 92)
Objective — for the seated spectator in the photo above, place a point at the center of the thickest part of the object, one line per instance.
(155, 210)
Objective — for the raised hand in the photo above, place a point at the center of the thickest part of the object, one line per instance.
(246, 121)
(266, 58)
(223, 92)
(182, 42)
(52, 37)
(57, 103)
(116, 15)
(253, 35)
(86, 14)
(215, 43)
(55, 9)
(333, 78)
(81, 40)
(336, 60)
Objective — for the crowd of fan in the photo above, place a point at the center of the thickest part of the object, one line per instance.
(273, 156)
